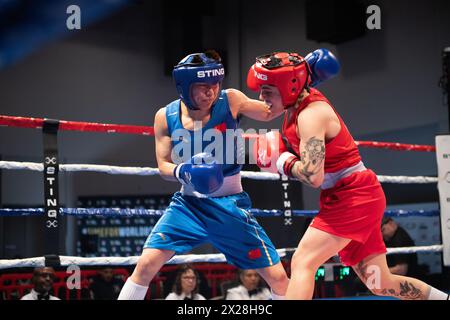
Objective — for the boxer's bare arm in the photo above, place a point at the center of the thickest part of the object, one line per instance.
(163, 145)
(312, 123)
(254, 109)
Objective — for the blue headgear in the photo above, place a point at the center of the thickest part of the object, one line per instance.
(196, 68)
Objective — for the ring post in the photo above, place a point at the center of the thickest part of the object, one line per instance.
(51, 196)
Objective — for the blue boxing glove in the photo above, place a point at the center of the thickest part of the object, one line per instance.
(324, 65)
(201, 172)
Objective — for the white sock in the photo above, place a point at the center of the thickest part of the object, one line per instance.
(276, 296)
(436, 294)
(132, 291)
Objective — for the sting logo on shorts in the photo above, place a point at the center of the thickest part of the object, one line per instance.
(254, 254)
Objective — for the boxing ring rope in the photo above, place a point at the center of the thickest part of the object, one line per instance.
(37, 123)
(114, 261)
(127, 212)
(178, 259)
(146, 171)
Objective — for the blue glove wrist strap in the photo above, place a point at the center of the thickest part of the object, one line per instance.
(176, 173)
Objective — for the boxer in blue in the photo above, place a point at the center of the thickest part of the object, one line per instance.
(211, 205)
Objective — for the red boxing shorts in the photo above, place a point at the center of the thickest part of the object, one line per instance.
(353, 209)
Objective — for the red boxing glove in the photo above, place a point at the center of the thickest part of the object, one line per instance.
(266, 150)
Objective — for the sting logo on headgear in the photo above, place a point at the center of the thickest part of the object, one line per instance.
(211, 73)
(289, 72)
(197, 68)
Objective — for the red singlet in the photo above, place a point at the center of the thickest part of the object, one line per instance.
(354, 206)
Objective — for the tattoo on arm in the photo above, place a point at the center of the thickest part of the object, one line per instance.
(303, 157)
(311, 160)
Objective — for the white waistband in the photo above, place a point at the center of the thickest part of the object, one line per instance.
(330, 179)
(231, 185)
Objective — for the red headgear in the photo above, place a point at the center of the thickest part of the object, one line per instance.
(289, 72)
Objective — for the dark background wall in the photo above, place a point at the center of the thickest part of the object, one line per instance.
(114, 70)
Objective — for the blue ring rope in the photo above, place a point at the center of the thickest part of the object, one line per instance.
(114, 212)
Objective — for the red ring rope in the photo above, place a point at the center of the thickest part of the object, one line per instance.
(23, 122)
(37, 123)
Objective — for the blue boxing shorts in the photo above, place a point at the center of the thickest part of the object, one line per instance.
(222, 221)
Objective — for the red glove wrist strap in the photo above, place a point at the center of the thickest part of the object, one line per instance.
(289, 164)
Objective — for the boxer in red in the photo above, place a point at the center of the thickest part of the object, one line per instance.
(317, 148)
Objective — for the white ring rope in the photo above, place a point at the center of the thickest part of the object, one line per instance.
(406, 179)
(35, 166)
(113, 261)
(433, 248)
(178, 259)
(147, 171)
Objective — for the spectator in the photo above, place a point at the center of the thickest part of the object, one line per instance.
(42, 280)
(203, 287)
(395, 236)
(249, 289)
(186, 285)
(105, 286)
